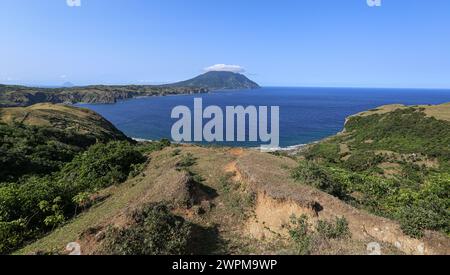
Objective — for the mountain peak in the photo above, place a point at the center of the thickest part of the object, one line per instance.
(220, 80)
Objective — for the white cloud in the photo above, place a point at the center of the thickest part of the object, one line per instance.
(225, 68)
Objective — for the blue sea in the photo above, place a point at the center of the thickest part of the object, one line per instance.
(306, 114)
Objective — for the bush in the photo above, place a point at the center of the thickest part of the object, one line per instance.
(319, 177)
(156, 231)
(414, 220)
(46, 202)
(360, 161)
(186, 161)
(101, 166)
(306, 240)
(426, 209)
(148, 147)
(339, 230)
(12, 234)
(324, 150)
(30, 150)
(301, 235)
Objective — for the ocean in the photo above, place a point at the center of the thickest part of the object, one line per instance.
(306, 114)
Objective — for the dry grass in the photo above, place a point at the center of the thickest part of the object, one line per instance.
(80, 120)
(441, 112)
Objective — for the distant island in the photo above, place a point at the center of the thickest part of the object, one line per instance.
(219, 81)
(22, 96)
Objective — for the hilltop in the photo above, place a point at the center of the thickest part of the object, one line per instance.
(38, 140)
(21, 96)
(67, 118)
(441, 112)
(220, 81)
(384, 179)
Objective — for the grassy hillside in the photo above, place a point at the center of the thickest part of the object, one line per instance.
(385, 179)
(62, 117)
(51, 157)
(211, 211)
(38, 140)
(393, 161)
(226, 201)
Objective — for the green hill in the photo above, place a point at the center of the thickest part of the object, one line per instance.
(49, 155)
(39, 139)
(63, 117)
(393, 161)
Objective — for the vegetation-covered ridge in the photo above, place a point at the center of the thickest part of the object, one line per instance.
(52, 159)
(393, 161)
(20, 96)
(62, 117)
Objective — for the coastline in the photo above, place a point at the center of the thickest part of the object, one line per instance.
(291, 148)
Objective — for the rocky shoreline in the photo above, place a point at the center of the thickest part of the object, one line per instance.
(18, 96)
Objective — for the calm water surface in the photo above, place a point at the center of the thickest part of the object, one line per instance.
(306, 114)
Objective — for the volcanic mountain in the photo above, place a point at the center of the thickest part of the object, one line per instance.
(216, 80)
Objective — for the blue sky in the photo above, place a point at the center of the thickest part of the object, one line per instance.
(403, 43)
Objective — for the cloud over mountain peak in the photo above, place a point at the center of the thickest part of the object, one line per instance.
(225, 68)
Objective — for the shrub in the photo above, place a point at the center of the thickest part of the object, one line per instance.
(176, 152)
(12, 234)
(101, 166)
(30, 150)
(148, 147)
(361, 161)
(301, 235)
(46, 202)
(186, 161)
(324, 150)
(319, 177)
(306, 240)
(414, 220)
(338, 230)
(156, 231)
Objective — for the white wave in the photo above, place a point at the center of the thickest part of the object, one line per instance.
(141, 139)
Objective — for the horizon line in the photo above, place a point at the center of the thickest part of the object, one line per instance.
(50, 86)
